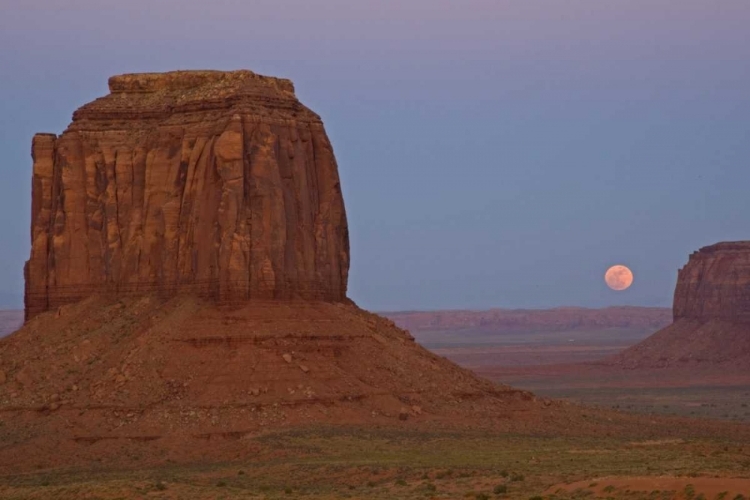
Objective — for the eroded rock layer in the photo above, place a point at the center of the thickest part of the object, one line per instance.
(221, 184)
(715, 284)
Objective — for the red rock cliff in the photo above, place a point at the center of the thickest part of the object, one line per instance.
(715, 284)
(216, 183)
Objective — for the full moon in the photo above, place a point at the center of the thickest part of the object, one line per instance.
(618, 277)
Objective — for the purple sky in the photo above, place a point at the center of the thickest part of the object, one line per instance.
(493, 153)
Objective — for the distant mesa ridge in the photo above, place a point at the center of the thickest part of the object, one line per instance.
(220, 184)
(558, 319)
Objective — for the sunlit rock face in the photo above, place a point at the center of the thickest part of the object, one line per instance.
(715, 284)
(220, 184)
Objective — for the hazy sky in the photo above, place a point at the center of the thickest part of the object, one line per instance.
(492, 152)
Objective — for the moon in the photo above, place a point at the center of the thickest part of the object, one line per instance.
(618, 277)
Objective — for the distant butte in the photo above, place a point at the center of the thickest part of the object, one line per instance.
(715, 284)
(711, 315)
(220, 184)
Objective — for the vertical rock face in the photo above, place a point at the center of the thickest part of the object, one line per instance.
(715, 284)
(216, 183)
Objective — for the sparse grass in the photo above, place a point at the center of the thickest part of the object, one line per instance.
(500, 489)
(689, 492)
(386, 464)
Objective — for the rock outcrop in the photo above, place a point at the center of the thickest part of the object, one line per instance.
(715, 284)
(711, 315)
(221, 184)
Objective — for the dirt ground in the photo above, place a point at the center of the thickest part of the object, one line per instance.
(388, 463)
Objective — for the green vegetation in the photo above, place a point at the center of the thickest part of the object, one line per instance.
(500, 489)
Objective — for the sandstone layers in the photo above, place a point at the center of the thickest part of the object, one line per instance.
(715, 284)
(711, 314)
(220, 184)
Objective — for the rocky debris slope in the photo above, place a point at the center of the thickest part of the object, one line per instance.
(221, 184)
(165, 377)
(711, 315)
(515, 320)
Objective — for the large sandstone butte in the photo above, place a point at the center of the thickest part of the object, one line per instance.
(187, 290)
(711, 315)
(220, 184)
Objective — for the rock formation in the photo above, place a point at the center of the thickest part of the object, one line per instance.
(711, 315)
(715, 284)
(221, 184)
(162, 209)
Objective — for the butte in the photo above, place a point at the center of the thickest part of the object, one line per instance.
(187, 288)
(711, 310)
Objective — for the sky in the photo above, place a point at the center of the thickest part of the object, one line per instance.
(493, 153)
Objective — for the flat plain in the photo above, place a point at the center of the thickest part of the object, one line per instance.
(571, 365)
(385, 463)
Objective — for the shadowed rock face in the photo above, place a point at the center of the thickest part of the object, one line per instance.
(715, 284)
(216, 183)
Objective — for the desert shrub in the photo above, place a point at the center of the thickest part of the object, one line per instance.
(160, 486)
(221, 484)
(443, 474)
(609, 489)
(701, 497)
(500, 489)
(482, 496)
(370, 484)
(504, 473)
(739, 497)
(288, 491)
(722, 495)
(689, 491)
(400, 482)
(536, 498)
(515, 477)
(240, 472)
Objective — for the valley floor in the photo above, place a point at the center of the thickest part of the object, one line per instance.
(568, 365)
(387, 463)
